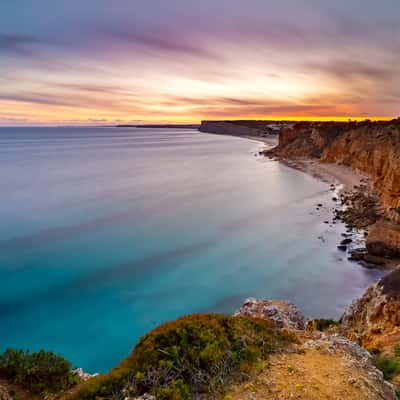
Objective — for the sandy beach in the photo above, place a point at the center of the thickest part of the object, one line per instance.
(329, 173)
(271, 141)
(339, 175)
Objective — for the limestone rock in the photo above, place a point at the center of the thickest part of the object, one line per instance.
(374, 319)
(384, 239)
(281, 313)
(84, 376)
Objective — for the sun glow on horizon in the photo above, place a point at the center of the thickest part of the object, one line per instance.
(139, 64)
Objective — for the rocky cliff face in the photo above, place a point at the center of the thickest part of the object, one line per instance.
(373, 321)
(375, 150)
(370, 147)
(384, 239)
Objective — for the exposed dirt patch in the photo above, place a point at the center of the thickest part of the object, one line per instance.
(312, 375)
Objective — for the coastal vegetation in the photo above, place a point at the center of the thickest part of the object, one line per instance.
(197, 354)
(38, 372)
(324, 323)
(390, 366)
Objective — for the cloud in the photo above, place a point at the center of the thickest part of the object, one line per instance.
(159, 41)
(17, 44)
(354, 69)
(38, 98)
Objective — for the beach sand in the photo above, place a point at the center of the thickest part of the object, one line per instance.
(330, 173)
(339, 175)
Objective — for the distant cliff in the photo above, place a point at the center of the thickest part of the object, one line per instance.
(243, 127)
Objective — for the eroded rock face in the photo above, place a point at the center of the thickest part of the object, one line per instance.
(281, 313)
(375, 150)
(374, 320)
(384, 239)
(371, 148)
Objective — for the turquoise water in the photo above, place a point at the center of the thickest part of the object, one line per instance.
(107, 232)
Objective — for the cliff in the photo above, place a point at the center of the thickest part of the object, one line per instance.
(243, 128)
(373, 321)
(372, 148)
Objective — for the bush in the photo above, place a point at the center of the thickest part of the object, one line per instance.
(324, 323)
(192, 355)
(389, 366)
(39, 372)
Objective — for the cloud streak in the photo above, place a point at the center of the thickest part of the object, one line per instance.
(17, 44)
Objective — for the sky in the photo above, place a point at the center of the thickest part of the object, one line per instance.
(159, 61)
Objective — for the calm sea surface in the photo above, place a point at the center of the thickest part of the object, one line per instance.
(107, 232)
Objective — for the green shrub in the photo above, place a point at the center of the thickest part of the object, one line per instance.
(324, 323)
(192, 355)
(389, 366)
(397, 351)
(39, 372)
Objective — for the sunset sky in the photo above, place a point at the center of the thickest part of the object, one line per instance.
(103, 61)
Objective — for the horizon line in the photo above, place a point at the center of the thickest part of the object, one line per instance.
(291, 118)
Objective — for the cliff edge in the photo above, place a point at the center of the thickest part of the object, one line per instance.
(372, 148)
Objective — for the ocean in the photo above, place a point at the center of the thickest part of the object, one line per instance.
(107, 232)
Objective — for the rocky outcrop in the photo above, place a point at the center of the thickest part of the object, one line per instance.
(384, 239)
(373, 321)
(281, 313)
(82, 375)
(346, 368)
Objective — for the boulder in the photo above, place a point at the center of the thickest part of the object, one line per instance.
(282, 314)
(346, 241)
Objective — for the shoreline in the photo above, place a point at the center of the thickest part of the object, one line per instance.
(339, 175)
(344, 182)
